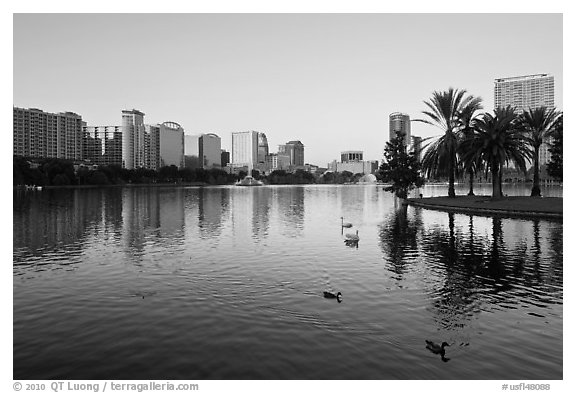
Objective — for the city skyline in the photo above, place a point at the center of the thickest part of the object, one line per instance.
(328, 80)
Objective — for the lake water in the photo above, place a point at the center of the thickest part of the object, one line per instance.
(227, 283)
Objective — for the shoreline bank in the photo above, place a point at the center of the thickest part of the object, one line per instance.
(513, 206)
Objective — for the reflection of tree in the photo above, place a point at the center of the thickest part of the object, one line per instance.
(556, 260)
(478, 269)
(398, 235)
(455, 300)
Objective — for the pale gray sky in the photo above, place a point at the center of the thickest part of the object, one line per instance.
(328, 80)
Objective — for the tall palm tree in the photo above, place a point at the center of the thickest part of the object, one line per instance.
(497, 140)
(538, 124)
(466, 120)
(440, 158)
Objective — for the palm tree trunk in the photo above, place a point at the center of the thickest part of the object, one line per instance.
(536, 183)
(451, 192)
(471, 173)
(496, 185)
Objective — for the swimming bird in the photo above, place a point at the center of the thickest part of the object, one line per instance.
(437, 349)
(351, 243)
(351, 237)
(330, 295)
(345, 224)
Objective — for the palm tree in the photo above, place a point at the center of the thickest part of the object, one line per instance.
(497, 140)
(538, 124)
(466, 120)
(440, 158)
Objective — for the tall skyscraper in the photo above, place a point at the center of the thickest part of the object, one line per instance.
(263, 150)
(103, 145)
(133, 142)
(400, 123)
(210, 150)
(47, 135)
(245, 149)
(152, 147)
(294, 150)
(171, 141)
(526, 92)
(191, 145)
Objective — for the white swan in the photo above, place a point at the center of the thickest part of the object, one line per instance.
(345, 224)
(352, 237)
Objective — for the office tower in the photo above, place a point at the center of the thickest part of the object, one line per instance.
(152, 147)
(276, 161)
(526, 92)
(400, 123)
(133, 143)
(103, 145)
(47, 135)
(294, 150)
(263, 150)
(171, 141)
(210, 150)
(351, 156)
(245, 149)
(224, 158)
(191, 147)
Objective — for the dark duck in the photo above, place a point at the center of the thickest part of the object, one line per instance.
(331, 295)
(438, 349)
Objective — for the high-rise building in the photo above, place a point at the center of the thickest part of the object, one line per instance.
(191, 147)
(276, 161)
(294, 150)
(103, 145)
(210, 150)
(171, 141)
(133, 141)
(224, 158)
(245, 149)
(263, 150)
(400, 123)
(152, 147)
(526, 92)
(47, 135)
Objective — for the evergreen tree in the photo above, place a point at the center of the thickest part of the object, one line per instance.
(554, 167)
(400, 168)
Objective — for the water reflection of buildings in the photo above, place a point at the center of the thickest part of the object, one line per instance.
(261, 204)
(61, 221)
(150, 214)
(213, 210)
(290, 205)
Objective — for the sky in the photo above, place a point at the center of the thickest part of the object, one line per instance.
(328, 80)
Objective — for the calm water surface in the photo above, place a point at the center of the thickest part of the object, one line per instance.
(227, 282)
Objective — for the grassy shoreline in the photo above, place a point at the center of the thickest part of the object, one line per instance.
(485, 205)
